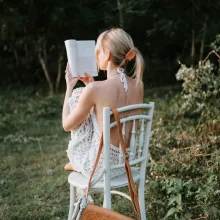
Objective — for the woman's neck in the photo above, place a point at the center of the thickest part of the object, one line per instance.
(111, 71)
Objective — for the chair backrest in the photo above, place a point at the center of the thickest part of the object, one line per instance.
(139, 139)
(139, 143)
(140, 135)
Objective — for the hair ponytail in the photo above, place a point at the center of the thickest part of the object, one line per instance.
(120, 44)
(138, 66)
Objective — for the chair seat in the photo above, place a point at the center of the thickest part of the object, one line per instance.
(80, 181)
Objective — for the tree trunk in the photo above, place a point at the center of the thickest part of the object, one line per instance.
(44, 51)
(26, 54)
(203, 41)
(193, 48)
(121, 18)
(15, 55)
(193, 37)
(202, 49)
(59, 72)
(46, 73)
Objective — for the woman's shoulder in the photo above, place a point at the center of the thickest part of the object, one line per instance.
(139, 85)
(97, 84)
(107, 85)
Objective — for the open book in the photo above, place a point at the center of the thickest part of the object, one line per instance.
(81, 57)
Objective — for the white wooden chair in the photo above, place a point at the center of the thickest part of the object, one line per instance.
(138, 158)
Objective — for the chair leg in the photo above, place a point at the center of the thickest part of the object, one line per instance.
(107, 201)
(72, 200)
(141, 200)
(104, 202)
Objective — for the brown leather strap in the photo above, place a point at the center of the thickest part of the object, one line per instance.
(131, 185)
(96, 163)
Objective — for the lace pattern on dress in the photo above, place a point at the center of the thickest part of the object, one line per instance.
(83, 146)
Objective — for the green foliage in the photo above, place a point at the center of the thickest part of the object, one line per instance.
(163, 34)
(185, 147)
(201, 88)
(183, 176)
(216, 44)
(182, 180)
(201, 93)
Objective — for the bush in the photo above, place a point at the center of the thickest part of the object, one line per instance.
(183, 179)
(201, 95)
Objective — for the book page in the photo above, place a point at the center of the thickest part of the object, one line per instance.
(71, 56)
(86, 60)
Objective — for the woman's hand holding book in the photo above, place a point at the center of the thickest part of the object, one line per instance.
(87, 79)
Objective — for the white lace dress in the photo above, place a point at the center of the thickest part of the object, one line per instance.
(83, 146)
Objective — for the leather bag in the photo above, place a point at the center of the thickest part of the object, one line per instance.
(89, 211)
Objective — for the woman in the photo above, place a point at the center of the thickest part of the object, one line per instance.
(83, 108)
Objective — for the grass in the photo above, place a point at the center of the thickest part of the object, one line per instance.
(32, 142)
(33, 184)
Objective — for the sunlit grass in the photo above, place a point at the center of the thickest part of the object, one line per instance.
(33, 184)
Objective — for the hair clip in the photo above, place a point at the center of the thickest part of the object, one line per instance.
(130, 54)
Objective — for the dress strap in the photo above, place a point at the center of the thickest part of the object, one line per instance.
(123, 78)
(125, 84)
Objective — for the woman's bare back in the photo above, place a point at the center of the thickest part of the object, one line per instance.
(111, 93)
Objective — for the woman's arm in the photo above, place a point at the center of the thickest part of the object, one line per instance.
(81, 111)
(66, 107)
(85, 103)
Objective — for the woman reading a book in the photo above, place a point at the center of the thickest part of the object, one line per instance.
(83, 107)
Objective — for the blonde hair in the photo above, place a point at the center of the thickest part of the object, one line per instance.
(119, 43)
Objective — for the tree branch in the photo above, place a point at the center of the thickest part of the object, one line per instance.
(213, 51)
